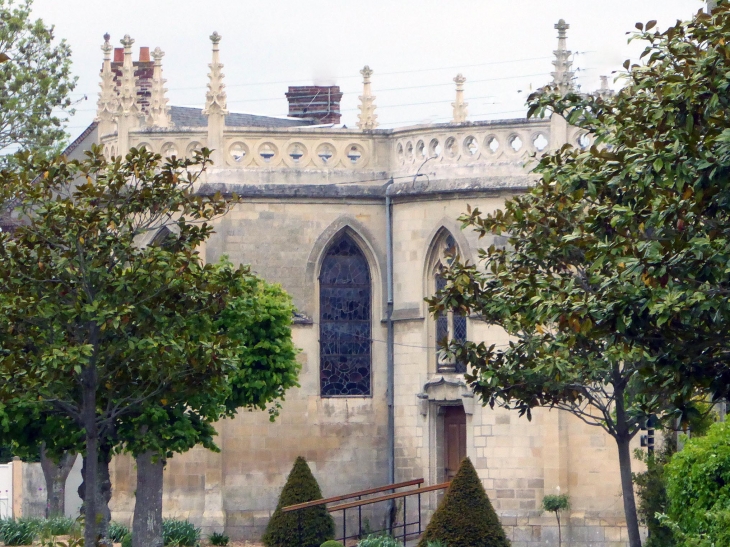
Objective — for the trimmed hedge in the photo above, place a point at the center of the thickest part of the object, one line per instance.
(698, 489)
(465, 517)
(317, 525)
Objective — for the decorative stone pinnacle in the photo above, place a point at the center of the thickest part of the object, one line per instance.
(128, 105)
(459, 105)
(563, 75)
(159, 112)
(215, 98)
(367, 119)
(107, 105)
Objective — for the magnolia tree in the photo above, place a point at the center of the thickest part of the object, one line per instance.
(257, 322)
(35, 82)
(614, 285)
(106, 332)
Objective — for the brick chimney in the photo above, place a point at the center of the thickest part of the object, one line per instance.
(321, 103)
(143, 70)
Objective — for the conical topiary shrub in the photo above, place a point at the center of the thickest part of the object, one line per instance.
(317, 525)
(465, 517)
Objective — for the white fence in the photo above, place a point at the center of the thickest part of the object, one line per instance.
(6, 490)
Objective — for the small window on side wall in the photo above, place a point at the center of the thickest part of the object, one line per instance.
(450, 324)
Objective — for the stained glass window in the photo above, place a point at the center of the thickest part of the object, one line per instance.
(344, 319)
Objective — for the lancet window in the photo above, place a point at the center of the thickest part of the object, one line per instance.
(450, 324)
(344, 319)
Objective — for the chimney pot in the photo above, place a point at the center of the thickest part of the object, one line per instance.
(118, 54)
(144, 55)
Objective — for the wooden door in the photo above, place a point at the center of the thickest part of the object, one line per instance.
(454, 439)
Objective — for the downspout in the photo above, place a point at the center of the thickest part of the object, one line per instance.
(390, 393)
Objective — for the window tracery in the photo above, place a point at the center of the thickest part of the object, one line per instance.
(345, 316)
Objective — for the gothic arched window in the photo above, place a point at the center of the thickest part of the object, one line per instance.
(450, 325)
(344, 321)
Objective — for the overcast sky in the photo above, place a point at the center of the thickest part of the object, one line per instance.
(416, 47)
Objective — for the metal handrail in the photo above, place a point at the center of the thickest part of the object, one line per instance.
(360, 502)
(387, 497)
(361, 493)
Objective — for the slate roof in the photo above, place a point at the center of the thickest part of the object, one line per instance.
(183, 116)
(74, 145)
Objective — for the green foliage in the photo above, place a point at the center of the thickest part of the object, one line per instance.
(19, 532)
(317, 525)
(651, 490)
(217, 538)
(58, 526)
(35, 82)
(135, 325)
(436, 543)
(127, 540)
(378, 540)
(179, 533)
(610, 274)
(555, 502)
(6, 453)
(117, 532)
(465, 517)
(331, 543)
(698, 488)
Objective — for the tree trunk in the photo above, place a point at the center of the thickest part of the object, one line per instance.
(89, 381)
(56, 474)
(103, 491)
(91, 480)
(147, 523)
(627, 489)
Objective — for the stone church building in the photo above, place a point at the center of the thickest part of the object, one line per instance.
(355, 222)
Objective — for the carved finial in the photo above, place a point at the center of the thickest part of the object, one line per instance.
(367, 119)
(128, 100)
(604, 92)
(215, 99)
(107, 47)
(106, 106)
(459, 105)
(563, 76)
(159, 112)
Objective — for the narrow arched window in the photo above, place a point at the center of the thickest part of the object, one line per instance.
(451, 324)
(344, 321)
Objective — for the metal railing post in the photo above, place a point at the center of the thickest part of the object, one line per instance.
(359, 518)
(299, 526)
(405, 519)
(344, 526)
